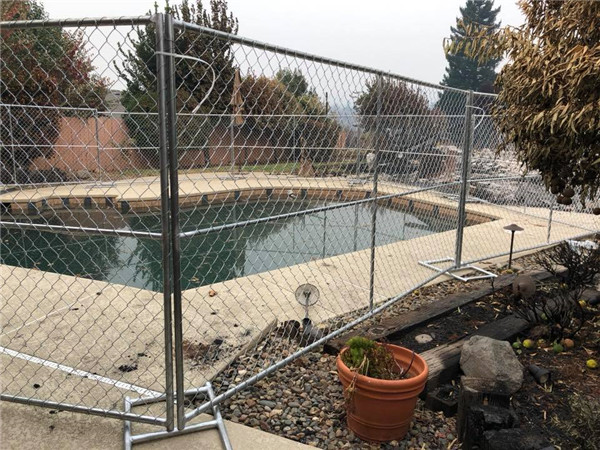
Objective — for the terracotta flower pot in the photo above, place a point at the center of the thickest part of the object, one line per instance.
(381, 410)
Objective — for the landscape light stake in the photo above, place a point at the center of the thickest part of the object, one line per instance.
(513, 228)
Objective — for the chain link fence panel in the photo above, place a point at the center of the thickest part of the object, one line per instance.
(190, 206)
(83, 321)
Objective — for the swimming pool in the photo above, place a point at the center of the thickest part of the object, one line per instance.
(216, 256)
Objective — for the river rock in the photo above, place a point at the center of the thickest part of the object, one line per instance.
(423, 338)
(484, 357)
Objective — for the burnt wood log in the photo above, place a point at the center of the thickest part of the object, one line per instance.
(476, 392)
(444, 399)
(394, 327)
(485, 418)
(443, 361)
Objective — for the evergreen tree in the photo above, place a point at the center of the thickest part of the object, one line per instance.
(192, 79)
(465, 72)
(294, 81)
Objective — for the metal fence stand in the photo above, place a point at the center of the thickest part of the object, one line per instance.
(462, 211)
(217, 422)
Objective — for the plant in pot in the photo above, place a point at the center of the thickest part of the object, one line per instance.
(381, 385)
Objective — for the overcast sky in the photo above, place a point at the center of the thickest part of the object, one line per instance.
(401, 36)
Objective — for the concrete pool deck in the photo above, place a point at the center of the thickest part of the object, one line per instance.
(24, 427)
(93, 328)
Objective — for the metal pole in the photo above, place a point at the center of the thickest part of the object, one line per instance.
(295, 146)
(374, 206)
(12, 144)
(175, 247)
(324, 231)
(231, 149)
(512, 241)
(355, 227)
(466, 162)
(549, 222)
(97, 139)
(92, 411)
(164, 203)
(358, 154)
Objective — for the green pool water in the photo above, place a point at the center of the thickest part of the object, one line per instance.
(213, 257)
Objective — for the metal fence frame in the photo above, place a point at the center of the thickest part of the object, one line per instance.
(122, 415)
(171, 235)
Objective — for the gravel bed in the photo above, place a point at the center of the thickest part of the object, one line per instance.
(305, 402)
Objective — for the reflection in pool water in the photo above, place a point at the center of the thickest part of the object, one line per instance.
(213, 257)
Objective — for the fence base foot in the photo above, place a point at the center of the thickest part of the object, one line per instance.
(431, 264)
(218, 423)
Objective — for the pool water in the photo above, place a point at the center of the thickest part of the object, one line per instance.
(213, 257)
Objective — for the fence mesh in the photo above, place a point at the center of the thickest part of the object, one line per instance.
(82, 313)
(287, 169)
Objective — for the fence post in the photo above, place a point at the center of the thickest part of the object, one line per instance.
(324, 233)
(464, 186)
(231, 146)
(549, 222)
(165, 226)
(374, 196)
(12, 145)
(358, 155)
(97, 139)
(174, 190)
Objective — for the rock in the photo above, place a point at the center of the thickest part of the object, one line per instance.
(267, 403)
(423, 338)
(515, 439)
(275, 412)
(484, 357)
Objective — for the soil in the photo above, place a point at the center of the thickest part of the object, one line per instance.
(546, 409)
(460, 323)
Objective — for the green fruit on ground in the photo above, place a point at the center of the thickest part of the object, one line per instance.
(528, 343)
(582, 302)
(516, 344)
(541, 342)
(591, 364)
(558, 348)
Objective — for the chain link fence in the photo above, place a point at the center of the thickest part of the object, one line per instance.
(198, 207)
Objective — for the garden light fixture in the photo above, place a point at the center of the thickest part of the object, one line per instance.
(512, 228)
